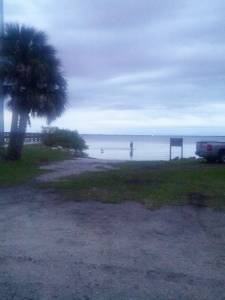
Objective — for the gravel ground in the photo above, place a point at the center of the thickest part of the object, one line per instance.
(54, 249)
(75, 167)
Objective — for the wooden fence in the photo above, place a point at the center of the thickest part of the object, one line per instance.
(30, 138)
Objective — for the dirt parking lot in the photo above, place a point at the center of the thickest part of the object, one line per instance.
(54, 249)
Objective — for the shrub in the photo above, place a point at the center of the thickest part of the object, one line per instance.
(65, 138)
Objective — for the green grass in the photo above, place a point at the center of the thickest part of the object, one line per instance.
(151, 183)
(14, 173)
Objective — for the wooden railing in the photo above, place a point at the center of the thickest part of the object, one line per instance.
(30, 137)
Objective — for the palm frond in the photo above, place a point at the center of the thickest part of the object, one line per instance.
(34, 73)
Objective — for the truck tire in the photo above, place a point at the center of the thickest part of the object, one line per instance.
(222, 157)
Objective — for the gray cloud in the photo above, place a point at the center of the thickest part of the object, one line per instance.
(135, 55)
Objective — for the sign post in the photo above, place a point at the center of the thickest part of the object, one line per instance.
(177, 142)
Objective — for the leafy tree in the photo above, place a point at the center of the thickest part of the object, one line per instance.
(33, 79)
(65, 138)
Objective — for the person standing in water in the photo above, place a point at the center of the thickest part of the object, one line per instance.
(131, 149)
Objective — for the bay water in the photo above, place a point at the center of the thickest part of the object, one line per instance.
(145, 147)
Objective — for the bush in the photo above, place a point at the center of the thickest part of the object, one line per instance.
(65, 138)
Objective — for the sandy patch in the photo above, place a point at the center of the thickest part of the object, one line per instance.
(75, 167)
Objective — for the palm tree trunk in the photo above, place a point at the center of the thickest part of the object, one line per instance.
(13, 138)
(24, 117)
(17, 135)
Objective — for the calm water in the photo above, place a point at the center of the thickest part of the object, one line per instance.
(145, 147)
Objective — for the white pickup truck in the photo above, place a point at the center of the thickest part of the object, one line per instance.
(211, 151)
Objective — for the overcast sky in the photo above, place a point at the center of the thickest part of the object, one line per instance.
(136, 66)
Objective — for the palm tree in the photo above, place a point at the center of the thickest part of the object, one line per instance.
(34, 82)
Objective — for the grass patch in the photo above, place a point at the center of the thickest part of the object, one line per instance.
(151, 183)
(13, 173)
